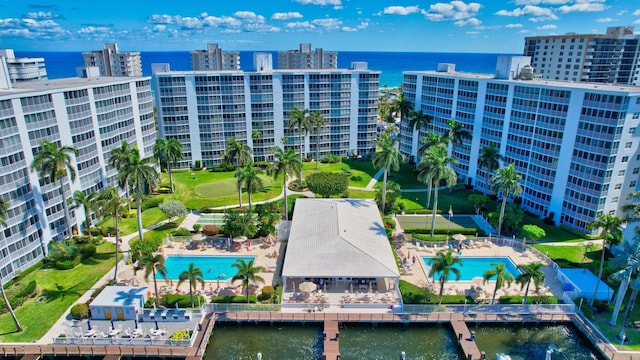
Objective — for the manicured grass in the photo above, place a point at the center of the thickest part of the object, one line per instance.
(62, 288)
(442, 222)
(457, 199)
(162, 231)
(601, 320)
(407, 177)
(129, 225)
(224, 187)
(361, 194)
(358, 178)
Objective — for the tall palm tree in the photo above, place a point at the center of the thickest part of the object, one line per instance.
(111, 203)
(635, 287)
(489, 159)
(443, 265)
(385, 113)
(501, 276)
(256, 134)
(4, 207)
(433, 168)
(402, 107)
(241, 153)
(247, 273)
(88, 203)
(55, 162)
(530, 272)
(432, 139)
(286, 163)
(318, 122)
(418, 120)
(633, 207)
(142, 176)
(627, 260)
(154, 264)
(506, 180)
(117, 159)
(456, 134)
(299, 120)
(250, 178)
(611, 227)
(171, 151)
(194, 275)
(388, 157)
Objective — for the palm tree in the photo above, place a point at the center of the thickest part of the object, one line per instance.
(433, 168)
(443, 264)
(286, 163)
(501, 276)
(457, 133)
(111, 203)
(250, 178)
(154, 264)
(318, 122)
(55, 162)
(635, 287)
(4, 207)
(388, 157)
(432, 139)
(171, 151)
(117, 159)
(299, 120)
(256, 134)
(247, 273)
(506, 180)
(418, 119)
(633, 208)
(528, 273)
(489, 159)
(142, 175)
(402, 107)
(385, 113)
(194, 275)
(611, 234)
(241, 152)
(88, 203)
(627, 260)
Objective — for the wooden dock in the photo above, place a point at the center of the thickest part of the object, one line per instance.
(465, 338)
(331, 350)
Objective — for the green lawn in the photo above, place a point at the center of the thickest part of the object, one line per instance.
(442, 222)
(129, 225)
(601, 320)
(162, 231)
(360, 173)
(457, 199)
(62, 288)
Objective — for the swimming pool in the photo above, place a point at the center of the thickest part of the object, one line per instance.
(211, 266)
(473, 266)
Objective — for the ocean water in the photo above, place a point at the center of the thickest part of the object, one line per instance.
(391, 64)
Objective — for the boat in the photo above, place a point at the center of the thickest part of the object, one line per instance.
(503, 357)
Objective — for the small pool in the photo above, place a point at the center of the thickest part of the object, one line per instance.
(474, 266)
(211, 266)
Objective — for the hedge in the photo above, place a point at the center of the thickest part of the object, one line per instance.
(151, 203)
(183, 300)
(530, 299)
(80, 311)
(234, 299)
(68, 263)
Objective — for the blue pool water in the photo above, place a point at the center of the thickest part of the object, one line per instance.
(476, 266)
(211, 266)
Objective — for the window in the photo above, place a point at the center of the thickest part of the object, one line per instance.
(632, 184)
(636, 171)
(628, 145)
(617, 187)
(621, 173)
(614, 200)
(625, 159)
(632, 130)
(635, 116)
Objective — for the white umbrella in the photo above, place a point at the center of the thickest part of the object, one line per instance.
(307, 286)
(459, 237)
(240, 239)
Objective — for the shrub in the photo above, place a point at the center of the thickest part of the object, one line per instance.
(173, 209)
(389, 222)
(183, 334)
(151, 202)
(67, 264)
(183, 300)
(87, 250)
(262, 164)
(585, 308)
(326, 184)
(413, 294)
(181, 232)
(196, 227)
(530, 299)
(80, 311)
(267, 293)
(234, 299)
(197, 164)
(210, 230)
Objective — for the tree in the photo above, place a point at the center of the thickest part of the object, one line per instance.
(318, 122)
(241, 153)
(426, 143)
(240, 224)
(388, 157)
(433, 168)
(326, 184)
(385, 113)
(627, 260)
(533, 232)
(111, 203)
(456, 134)
(513, 217)
(194, 275)
(611, 234)
(154, 264)
(489, 159)
(55, 162)
(4, 207)
(477, 201)
(443, 265)
(171, 151)
(501, 276)
(286, 163)
(299, 120)
(418, 120)
(118, 157)
(88, 203)
(250, 178)
(402, 107)
(247, 273)
(506, 180)
(173, 209)
(528, 273)
(635, 286)
(391, 196)
(256, 134)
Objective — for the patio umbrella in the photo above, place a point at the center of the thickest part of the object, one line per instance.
(89, 325)
(112, 325)
(228, 291)
(307, 286)
(240, 239)
(157, 327)
(459, 237)
(351, 287)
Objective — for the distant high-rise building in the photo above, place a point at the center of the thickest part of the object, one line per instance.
(304, 58)
(214, 59)
(612, 57)
(111, 62)
(23, 68)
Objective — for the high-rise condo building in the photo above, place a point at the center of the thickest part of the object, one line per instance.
(92, 115)
(213, 59)
(112, 62)
(305, 58)
(575, 144)
(613, 57)
(204, 108)
(23, 68)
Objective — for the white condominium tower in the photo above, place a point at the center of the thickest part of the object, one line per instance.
(111, 62)
(204, 108)
(575, 144)
(214, 59)
(23, 68)
(91, 115)
(307, 59)
(613, 57)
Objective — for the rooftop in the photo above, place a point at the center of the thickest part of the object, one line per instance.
(73, 82)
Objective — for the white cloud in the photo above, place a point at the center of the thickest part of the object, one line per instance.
(348, 29)
(93, 30)
(249, 16)
(320, 2)
(41, 15)
(536, 13)
(513, 26)
(259, 27)
(286, 15)
(300, 25)
(604, 20)
(538, 2)
(161, 19)
(547, 27)
(582, 7)
(400, 10)
(223, 21)
(454, 10)
(637, 22)
(327, 23)
(523, 32)
(472, 32)
(159, 28)
(636, 12)
(622, 12)
(472, 21)
(363, 25)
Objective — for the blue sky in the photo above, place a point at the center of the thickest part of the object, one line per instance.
(487, 26)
